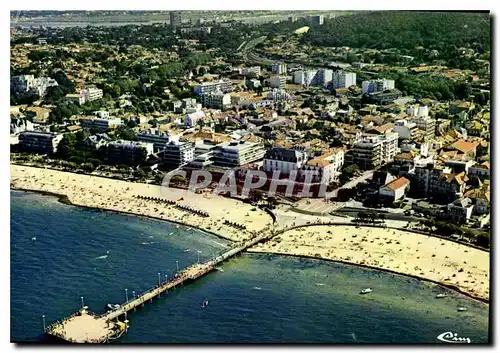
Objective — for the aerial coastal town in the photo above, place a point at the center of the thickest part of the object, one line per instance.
(390, 114)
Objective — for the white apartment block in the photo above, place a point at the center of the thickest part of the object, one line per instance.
(277, 82)
(178, 153)
(247, 70)
(284, 160)
(343, 79)
(426, 124)
(279, 95)
(278, 68)
(193, 118)
(377, 85)
(372, 151)
(216, 100)
(154, 136)
(321, 77)
(224, 86)
(92, 93)
(418, 110)
(236, 154)
(325, 168)
(406, 130)
(102, 124)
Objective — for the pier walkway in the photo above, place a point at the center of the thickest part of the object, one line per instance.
(87, 327)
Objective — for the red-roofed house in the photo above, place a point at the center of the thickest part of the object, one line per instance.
(394, 190)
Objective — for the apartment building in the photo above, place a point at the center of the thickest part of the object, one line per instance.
(377, 85)
(279, 95)
(75, 98)
(426, 124)
(177, 154)
(405, 129)
(39, 142)
(216, 100)
(277, 82)
(284, 160)
(247, 70)
(417, 110)
(102, 124)
(205, 87)
(186, 106)
(372, 151)
(279, 68)
(92, 93)
(128, 152)
(343, 79)
(235, 154)
(156, 137)
(325, 168)
(175, 19)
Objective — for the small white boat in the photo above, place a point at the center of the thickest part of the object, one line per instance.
(187, 250)
(365, 291)
(257, 288)
(320, 284)
(441, 295)
(205, 303)
(34, 238)
(462, 308)
(220, 269)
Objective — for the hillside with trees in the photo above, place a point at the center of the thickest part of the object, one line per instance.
(405, 30)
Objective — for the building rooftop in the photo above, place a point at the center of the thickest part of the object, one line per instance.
(397, 184)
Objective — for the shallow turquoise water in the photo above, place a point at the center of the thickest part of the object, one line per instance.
(258, 298)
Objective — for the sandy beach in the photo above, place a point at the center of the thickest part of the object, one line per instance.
(120, 196)
(418, 255)
(422, 256)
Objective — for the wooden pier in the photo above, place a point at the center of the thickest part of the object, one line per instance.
(86, 327)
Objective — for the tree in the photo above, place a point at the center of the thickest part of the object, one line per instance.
(131, 123)
(483, 240)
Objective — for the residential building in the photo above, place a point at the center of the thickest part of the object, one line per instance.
(186, 106)
(92, 93)
(377, 85)
(417, 110)
(482, 171)
(177, 154)
(128, 152)
(76, 98)
(175, 19)
(41, 142)
(205, 87)
(235, 154)
(426, 124)
(279, 95)
(384, 98)
(247, 70)
(154, 136)
(305, 77)
(277, 82)
(216, 100)
(325, 168)
(372, 151)
(102, 124)
(394, 190)
(193, 118)
(284, 160)
(460, 211)
(426, 177)
(342, 79)
(317, 20)
(405, 129)
(279, 68)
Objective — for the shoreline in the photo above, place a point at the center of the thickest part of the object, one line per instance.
(87, 191)
(64, 199)
(448, 286)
